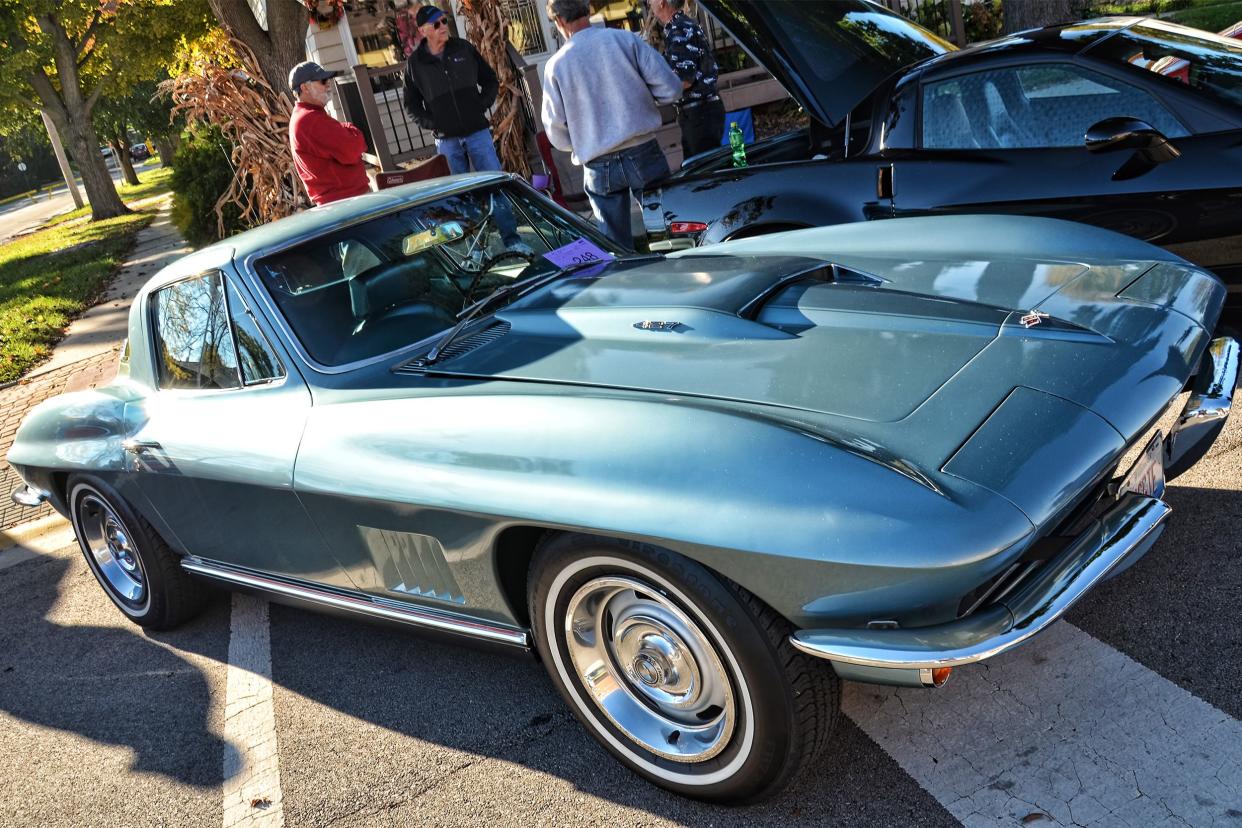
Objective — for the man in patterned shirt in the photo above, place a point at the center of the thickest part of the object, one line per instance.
(699, 112)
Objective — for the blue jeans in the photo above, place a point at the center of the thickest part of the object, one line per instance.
(614, 178)
(474, 150)
(477, 150)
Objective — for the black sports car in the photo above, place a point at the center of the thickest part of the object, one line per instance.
(1129, 123)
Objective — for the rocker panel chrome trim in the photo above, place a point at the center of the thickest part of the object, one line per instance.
(363, 605)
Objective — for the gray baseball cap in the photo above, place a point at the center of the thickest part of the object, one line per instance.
(308, 70)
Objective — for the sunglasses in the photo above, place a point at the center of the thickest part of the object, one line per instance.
(438, 23)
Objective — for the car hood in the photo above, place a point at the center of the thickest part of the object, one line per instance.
(868, 335)
(828, 54)
(725, 328)
(797, 332)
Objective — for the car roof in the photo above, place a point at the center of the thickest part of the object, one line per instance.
(1067, 38)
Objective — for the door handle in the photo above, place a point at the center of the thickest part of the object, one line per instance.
(885, 186)
(139, 446)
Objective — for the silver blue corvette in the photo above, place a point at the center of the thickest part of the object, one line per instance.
(704, 488)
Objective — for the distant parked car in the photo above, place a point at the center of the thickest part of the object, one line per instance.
(139, 152)
(106, 152)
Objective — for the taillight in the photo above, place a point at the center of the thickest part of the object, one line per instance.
(684, 228)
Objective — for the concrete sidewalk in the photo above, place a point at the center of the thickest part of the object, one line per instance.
(87, 356)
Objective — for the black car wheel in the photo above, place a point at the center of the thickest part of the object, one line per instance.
(686, 678)
(135, 567)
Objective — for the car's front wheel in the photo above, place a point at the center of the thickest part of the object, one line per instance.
(132, 563)
(686, 678)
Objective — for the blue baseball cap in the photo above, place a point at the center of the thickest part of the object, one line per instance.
(427, 14)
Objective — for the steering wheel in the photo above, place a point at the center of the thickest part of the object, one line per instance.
(486, 265)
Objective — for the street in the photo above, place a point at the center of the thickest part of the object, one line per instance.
(1127, 714)
(23, 215)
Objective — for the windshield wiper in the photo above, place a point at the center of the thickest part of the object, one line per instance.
(515, 290)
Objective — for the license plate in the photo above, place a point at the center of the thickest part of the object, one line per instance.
(1146, 476)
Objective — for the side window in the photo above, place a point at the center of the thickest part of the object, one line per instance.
(259, 362)
(1043, 105)
(193, 340)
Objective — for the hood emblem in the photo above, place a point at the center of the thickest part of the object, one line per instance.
(1033, 318)
(649, 325)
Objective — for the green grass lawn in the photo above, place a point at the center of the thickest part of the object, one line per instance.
(152, 182)
(51, 276)
(1210, 16)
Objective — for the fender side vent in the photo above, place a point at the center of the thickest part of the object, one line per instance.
(412, 564)
(458, 348)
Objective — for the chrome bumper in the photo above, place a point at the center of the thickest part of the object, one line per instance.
(1128, 529)
(669, 245)
(25, 495)
(1206, 410)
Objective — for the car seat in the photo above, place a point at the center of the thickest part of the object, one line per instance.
(1003, 131)
(945, 124)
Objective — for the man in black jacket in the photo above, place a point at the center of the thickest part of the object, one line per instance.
(448, 90)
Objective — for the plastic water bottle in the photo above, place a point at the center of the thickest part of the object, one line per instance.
(739, 146)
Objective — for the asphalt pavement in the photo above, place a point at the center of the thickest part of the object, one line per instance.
(1126, 714)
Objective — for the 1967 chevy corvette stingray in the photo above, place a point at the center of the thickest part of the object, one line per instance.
(703, 487)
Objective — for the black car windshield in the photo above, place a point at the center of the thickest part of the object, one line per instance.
(390, 281)
(1203, 61)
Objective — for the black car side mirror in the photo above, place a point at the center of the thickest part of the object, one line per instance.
(1149, 144)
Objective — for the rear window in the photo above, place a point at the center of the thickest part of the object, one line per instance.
(1202, 61)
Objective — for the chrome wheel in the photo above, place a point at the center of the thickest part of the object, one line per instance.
(650, 669)
(110, 545)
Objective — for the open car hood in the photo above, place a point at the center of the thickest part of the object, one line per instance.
(829, 54)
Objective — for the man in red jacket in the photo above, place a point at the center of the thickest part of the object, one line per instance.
(326, 152)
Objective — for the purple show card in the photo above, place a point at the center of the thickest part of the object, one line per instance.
(578, 252)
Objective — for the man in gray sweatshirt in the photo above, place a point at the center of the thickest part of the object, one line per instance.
(600, 96)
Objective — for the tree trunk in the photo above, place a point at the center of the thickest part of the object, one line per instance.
(486, 31)
(120, 147)
(1031, 14)
(70, 111)
(277, 50)
(82, 143)
(167, 149)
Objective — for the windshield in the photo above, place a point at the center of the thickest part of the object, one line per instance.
(397, 279)
(1203, 61)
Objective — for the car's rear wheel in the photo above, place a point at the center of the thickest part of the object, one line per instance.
(132, 563)
(686, 678)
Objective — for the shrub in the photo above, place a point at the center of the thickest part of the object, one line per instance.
(983, 20)
(201, 174)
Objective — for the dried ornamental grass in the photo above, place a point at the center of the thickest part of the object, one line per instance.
(228, 91)
(486, 31)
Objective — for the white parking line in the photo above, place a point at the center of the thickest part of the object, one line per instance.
(1066, 729)
(251, 763)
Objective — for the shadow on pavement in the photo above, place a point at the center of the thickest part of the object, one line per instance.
(504, 707)
(110, 684)
(1175, 611)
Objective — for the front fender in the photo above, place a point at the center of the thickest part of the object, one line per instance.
(805, 193)
(815, 528)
